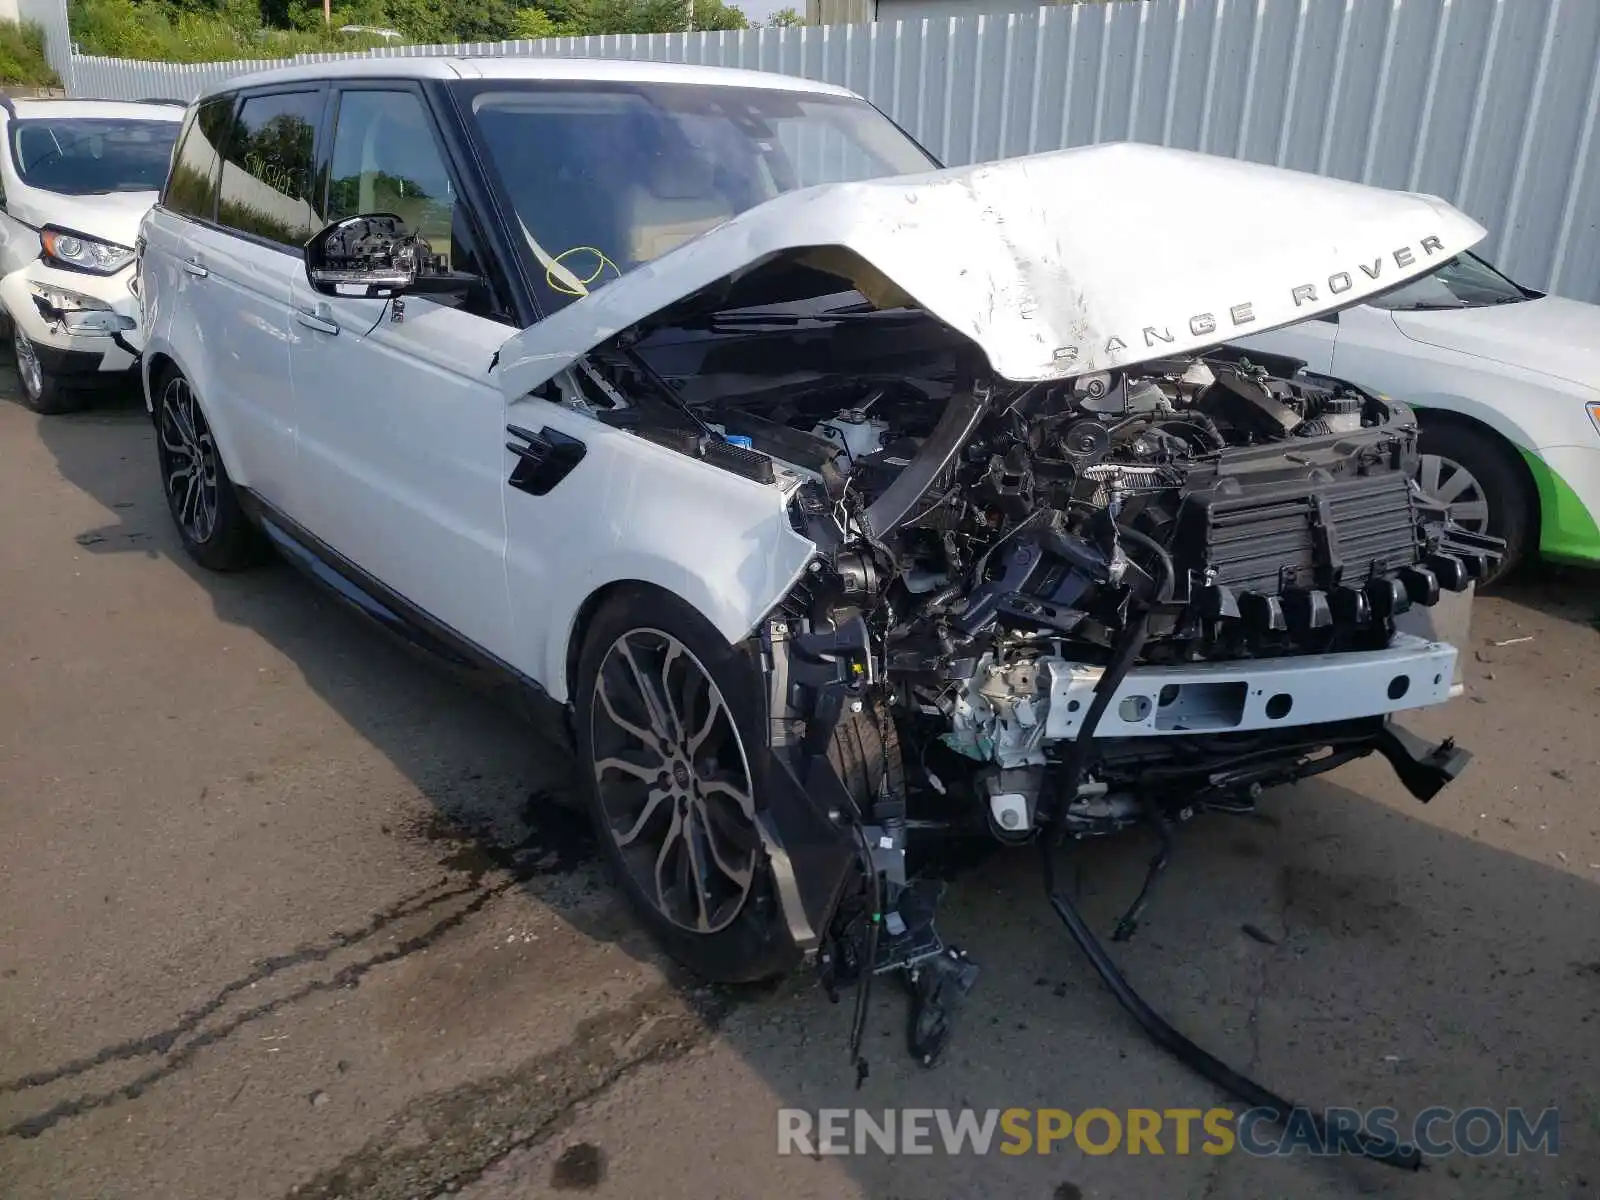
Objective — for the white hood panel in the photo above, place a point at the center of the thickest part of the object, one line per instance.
(1062, 263)
(113, 217)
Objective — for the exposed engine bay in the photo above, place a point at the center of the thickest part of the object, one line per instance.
(984, 548)
(1065, 609)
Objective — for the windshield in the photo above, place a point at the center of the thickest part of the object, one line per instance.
(607, 176)
(1466, 281)
(83, 156)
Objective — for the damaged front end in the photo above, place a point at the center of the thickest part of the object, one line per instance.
(1064, 582)
(1118, 599)
(986, 550)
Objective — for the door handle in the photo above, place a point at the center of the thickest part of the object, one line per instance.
(312, 321)
(192, 265)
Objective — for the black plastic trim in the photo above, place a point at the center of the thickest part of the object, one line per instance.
(544, 459)
(483, 205)
(69, 363)
(961, 416)
(740, 460)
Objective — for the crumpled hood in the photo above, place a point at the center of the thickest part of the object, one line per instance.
(1550, 335)
(113, 217)
(1062, 263)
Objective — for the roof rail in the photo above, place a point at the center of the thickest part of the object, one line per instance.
(7, 101)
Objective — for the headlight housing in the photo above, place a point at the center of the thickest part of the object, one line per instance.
(76, 252)
(1594, 413)
(77, 313)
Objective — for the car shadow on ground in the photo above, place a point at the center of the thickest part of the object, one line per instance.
(1565, 592)
(1345, 950)
(528, 823)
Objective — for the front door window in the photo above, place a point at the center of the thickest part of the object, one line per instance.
(386, 161)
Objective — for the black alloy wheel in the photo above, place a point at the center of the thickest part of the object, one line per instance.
(189, 464)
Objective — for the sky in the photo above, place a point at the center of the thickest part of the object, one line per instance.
(760, 10)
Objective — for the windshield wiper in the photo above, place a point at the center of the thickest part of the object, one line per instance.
(835, 316)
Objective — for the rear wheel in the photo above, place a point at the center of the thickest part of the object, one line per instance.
(200, 496)
(1476, 475)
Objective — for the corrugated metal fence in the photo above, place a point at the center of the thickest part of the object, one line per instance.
(1489, 103)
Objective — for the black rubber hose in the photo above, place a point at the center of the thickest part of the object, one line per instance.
(1192, 1056)
(1153, 1023)
(961, 416)
(1195, 419)
(1123, 654)
(1170, 589)
(869, 964)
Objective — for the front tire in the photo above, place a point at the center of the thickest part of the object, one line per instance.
(200, 496)
(672, 747)
(1476, 474)
(42, 392)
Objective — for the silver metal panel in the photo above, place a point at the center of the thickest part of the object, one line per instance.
(1492, 104)
(1242, 696)
(1450, 620)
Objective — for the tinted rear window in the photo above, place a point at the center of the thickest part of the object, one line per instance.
(192, 186)
(266, 172)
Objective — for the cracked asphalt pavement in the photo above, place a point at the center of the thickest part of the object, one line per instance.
(286, 913)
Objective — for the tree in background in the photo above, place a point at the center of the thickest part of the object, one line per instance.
(786, 18)
(714, 14)
(536, 23)
(461, 21)
(22, 58)
(207, 30)
(579, 18)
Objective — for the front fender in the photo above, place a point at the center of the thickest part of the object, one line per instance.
(633, 511)
(1517, 429)
(733, 607)
(1550, 431)
(1529, 409)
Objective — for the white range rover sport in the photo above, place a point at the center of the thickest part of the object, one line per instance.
(829, 498)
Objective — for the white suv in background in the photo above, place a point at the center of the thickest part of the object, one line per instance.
(76, 177)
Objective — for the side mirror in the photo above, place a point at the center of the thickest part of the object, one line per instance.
(365, 257)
